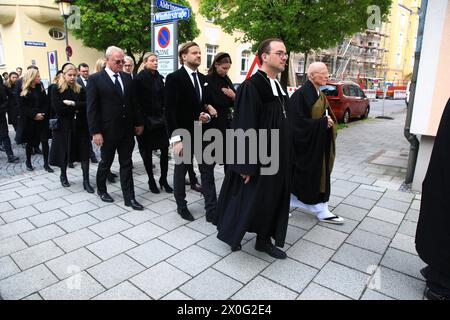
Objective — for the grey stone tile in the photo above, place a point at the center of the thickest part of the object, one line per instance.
(412, 215)
(393, 204)
(8, 267)
(408, 228)
(193, 260)
(397, 285)
(335, 201)
(369, 194)
(25, 283)
(359, 202)
(348, 226)
(144, 232)
(78, 287)
(369, 241)
(399, 195)
(107, 212)
(79, 208)
(379, 227)
(72, 263)
(169, 221)
(373, 295)
(182, 237)
(362, 180)
(26, 201)
(42, 234)
(415, 205)
(36, 255)
(317, 292)
(302, 220)
(350, 212)
(79, 197)
(176, 295)
(211, 285)
(241, 266)
(51, 205)
(310, 253)
(152, 252)
(357, 258)
(403, 262)
(19, 214)
(9, 196)
(291, 274)
(138, 217)
(326, 237)
(110, 247)
(5, 206)
(34, 296)
(56, 192)
(110, 227)
(14, 228)
(44, 219)
(76, 240)
(25, 192)
(294, 234)
(201, 225)
(11, 245)
(163, 206)
(404, 243)
(263, 289)
(341, 175)
(342, 188)
(342, 279)
(160, 280)
(124, 291)
(387, 215)
(78, 222)
(115, 270)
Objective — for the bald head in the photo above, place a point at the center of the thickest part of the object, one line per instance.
(318, 74)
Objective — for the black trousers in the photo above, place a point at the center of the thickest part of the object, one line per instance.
(208, 186)
(124, 148)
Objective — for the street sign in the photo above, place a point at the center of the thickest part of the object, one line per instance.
(52, 59)
(166, 66)
(255, 67)
(179, 14)
(164, 37)
(165, 40)
(69, 51)
(35, 44)
(166, 5)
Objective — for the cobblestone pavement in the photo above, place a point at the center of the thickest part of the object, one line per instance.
(63, 243)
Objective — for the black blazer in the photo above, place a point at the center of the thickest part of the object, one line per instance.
(182, 105)
(81, 82)
(108, 113)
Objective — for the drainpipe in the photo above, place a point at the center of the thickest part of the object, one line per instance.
(412, 139)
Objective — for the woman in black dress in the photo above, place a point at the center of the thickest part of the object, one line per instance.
(33, 117)
(220, 94)
(71, 140)
(149, 95)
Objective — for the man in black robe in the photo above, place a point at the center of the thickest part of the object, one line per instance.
(314, 135)
(433, 227)
(250, 199)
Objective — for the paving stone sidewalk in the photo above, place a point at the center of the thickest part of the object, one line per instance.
(62, 243)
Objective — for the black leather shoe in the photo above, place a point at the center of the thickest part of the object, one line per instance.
(236, 248)
(71, 165)
(196, 187)
(48, 169)
(270, 249)
(87, 186)
(152, 186)
(94, 159)
(134, 204)
(64, 182)
(432, 295)
(113, 174)
(29, 166)
(12, 159)
(105, 197)
(185, 214)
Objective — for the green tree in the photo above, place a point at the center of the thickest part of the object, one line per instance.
(303, 25)
(126, 24)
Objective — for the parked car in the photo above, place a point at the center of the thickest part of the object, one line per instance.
(347, 100)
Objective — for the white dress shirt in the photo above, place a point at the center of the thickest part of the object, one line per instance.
(113, 79)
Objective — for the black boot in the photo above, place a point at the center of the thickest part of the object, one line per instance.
(28, 151)
(86, 185)
(265, 245)
(164, 164)
(152, 185)
(45, 152)
(63, 178)
(164, 185)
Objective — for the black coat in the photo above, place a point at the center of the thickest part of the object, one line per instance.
(71, 142)
(149, 96)
(108, 112)
(182, 105)
(13, 108)
(81, 82)
(433, 227)
(3, 108)
(28, 129)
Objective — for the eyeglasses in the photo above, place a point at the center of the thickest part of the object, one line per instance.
(119, 61)
(282, 54)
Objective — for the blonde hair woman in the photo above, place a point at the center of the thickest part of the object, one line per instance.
(100, 65)
(71, 140)
(34, 115)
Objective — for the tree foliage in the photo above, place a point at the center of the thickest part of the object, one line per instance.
(124, 23)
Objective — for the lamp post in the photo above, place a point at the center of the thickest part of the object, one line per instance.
(64, 9)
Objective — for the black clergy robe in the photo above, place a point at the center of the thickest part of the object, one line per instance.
(433, 227)
(262, 205)
(313, 145)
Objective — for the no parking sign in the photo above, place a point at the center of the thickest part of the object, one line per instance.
(166, 46)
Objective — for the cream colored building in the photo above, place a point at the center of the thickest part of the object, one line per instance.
(400, 42)
(31, 28)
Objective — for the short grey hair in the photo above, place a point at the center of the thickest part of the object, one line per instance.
(129, 59)
(110, 51)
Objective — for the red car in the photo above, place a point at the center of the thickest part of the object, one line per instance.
(347, 100)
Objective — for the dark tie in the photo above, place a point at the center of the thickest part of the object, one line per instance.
(197, 87)
(118, 86)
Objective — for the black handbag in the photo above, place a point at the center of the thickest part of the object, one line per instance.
(155, 122)
(54, 124)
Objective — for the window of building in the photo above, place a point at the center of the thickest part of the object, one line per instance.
(210, 53)
(245, 57)
(56, 34)
(2, 56)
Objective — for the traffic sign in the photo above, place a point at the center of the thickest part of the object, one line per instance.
(69, 51)
(166, 5)
(179, 14)
(164, 40)
(164, 37)
(255, 67)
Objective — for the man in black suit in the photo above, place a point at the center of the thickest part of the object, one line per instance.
(184, 93)
(113, 120)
